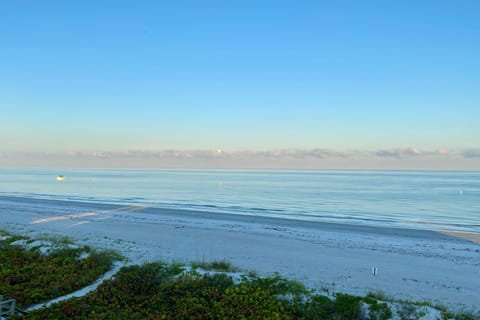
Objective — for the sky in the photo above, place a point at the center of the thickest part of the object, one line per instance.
(240, 84)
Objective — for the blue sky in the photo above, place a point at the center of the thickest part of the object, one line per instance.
(371, 79)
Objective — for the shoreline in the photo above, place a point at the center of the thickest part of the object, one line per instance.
(469, 236)
(412, 264)
(81, 206)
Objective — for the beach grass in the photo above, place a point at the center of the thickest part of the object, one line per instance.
(220, 265)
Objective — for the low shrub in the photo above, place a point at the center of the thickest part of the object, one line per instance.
(31, 277)
(221, 266)
(158, 291)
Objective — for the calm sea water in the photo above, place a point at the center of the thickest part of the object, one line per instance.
(421, 200)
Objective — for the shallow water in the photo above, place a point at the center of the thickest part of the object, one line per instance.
(412, 199)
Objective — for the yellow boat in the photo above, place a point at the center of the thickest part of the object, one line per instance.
(60, 178)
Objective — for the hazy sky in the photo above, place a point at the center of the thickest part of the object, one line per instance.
(313, 84)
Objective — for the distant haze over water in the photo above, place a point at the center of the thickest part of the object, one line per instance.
(413, 199)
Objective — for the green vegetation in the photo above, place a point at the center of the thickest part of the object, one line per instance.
(160, 291)
(464, 315)
(377, 310)
(221, 266)
(56, 239)
(29, 276)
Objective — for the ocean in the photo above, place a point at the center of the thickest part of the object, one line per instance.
(437, 200)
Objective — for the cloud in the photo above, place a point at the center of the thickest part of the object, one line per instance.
(443, 151)
(275, 154)
(471, 153)
(275, 158)
(152, 154)
(218, 154)
(292, 154)
(399, 153)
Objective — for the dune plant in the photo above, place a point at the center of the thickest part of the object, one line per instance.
(30, 277)
(221, 266)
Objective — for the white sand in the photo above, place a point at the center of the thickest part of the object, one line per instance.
(411, 264)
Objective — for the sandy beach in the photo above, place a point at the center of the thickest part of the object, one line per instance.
(443, 268)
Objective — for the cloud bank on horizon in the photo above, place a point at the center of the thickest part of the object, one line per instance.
(405, 158)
